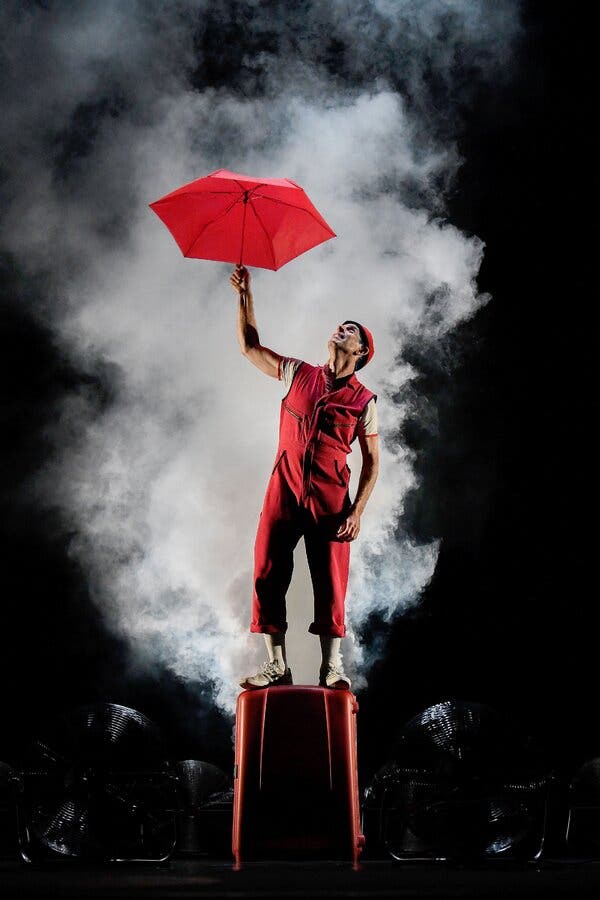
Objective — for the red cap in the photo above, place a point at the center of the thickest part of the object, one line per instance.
(368, 337)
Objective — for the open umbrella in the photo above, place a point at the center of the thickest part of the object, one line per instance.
(230, 217)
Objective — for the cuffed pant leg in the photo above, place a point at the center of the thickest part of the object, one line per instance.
(328, 561)
(277, 535)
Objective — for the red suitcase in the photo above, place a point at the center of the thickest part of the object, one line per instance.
(296, 775)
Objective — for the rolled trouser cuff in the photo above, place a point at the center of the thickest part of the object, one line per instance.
(258, 628)
(329, 630)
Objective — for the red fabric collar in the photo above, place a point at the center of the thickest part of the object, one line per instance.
(348, 379)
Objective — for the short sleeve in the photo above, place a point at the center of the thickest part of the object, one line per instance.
(286, 369)
(368, 419)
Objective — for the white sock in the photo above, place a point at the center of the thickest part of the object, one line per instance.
(276, 647)
(330, 648)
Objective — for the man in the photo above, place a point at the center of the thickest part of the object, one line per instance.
(324, 409)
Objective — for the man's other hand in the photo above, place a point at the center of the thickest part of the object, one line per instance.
(349, 530)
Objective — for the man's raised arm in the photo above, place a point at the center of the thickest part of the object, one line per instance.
(264, 359)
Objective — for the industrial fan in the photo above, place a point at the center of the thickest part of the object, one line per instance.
(98, 788)
(8, 831)
(583, 825)
(205, 813)
(461, 786)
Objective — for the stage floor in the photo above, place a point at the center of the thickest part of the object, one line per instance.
(207, 879)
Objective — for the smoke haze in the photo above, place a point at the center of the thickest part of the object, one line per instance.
(108, 107)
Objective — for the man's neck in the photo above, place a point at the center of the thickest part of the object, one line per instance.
(340, 366)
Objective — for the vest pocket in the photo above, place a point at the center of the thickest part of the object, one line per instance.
(296, 427)
(293, 412)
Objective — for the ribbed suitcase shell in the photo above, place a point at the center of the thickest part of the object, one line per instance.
(296, 775)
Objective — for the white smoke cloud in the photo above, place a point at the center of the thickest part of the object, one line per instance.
(164, 486)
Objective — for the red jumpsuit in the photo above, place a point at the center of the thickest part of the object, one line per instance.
(308, 495)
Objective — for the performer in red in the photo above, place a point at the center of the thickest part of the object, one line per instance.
(324, 409)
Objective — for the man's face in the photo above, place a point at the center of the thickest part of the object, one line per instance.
(347, 337)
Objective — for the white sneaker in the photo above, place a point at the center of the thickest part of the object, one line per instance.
(333, 676)
(270, 674)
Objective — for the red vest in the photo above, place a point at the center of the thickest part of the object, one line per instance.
(317, 427)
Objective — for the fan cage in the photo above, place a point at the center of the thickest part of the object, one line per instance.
(582, 834)
(391, 805)
(114, 816)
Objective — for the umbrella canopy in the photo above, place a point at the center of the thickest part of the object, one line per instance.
(230, 217)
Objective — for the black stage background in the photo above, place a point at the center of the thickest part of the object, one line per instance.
(508, 483)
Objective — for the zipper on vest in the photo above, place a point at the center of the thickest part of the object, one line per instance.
(308, 455)
(312, 418)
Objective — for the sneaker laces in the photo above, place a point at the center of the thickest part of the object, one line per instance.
(271, 668)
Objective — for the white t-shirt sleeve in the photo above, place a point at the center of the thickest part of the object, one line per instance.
(368, 419)
(287, 367)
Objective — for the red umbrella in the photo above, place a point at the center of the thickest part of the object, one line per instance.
(234, 218)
